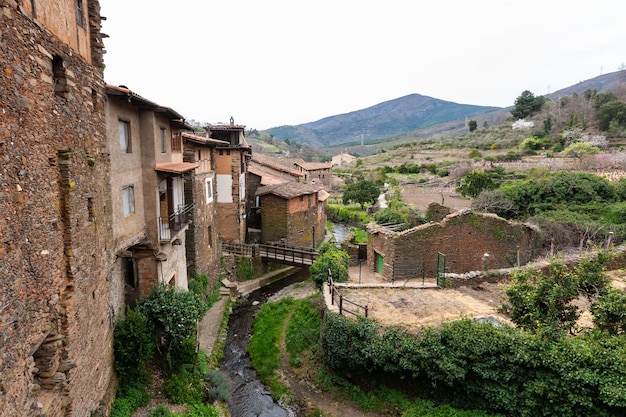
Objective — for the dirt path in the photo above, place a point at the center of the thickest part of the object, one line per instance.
(311, 397)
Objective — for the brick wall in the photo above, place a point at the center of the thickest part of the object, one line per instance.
(55, 227)
(463, 237)
(274, 218)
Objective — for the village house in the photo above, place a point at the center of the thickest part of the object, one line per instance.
(470, 242)
(292, 213)
(230, 175)
(343, 159)
(148, 176)
(315, 172)
(202, 243)
(56, 239)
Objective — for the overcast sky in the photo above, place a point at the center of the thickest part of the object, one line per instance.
(276, 62)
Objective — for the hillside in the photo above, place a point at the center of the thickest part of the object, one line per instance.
(385, 119)
(416, 115)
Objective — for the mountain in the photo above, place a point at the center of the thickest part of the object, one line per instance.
(602, 83)
(418, 115)
(382, 120)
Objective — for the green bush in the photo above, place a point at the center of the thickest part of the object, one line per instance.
(133, 345)
(480, 366)
(331, 258)
(218, 388)
(609, 312)
(161, 411)
(183, 388)
(173, 313)
(244, 268)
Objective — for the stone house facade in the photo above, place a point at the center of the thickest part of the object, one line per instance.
(315, 172)
(471, 242)
(230, 174)
(202, 243)
(55, 227)
(292, 212)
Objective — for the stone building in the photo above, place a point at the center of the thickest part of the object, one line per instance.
(56, 241)
(471, 242)
(343, 159)
(315, 172)
(202, 243)
(230, 175)
(292, 212)
(148, 176)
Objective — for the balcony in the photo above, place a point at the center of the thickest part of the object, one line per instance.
(174, 223)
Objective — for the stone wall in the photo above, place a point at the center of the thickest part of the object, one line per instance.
(274, 215)
(55, 227)
(464, 237)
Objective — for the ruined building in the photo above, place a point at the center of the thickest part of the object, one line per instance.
(56, 243)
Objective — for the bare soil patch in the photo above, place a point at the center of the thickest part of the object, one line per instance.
(414, 308)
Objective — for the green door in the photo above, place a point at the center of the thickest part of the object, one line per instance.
(380, 263)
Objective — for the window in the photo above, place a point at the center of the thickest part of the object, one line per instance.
(210, 237)
(59, 76)
(128, 200)
(208, 187)
(163, 141)
(125, 144)
(80, 13)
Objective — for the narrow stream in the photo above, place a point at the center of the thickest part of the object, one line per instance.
(248, 395)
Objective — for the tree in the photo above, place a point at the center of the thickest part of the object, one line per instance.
(362, 191)
(527, 105)
(473, 183)
(542, 301)
(495, 201)
(472, 125)
(333, 258)
(173, 313)
(609, 312)
(612, 114)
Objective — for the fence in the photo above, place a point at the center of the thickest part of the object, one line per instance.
(335, 295)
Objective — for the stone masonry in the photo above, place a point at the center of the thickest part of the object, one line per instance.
(464, 237)
(54, 220)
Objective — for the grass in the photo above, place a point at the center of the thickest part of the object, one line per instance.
(302, 344)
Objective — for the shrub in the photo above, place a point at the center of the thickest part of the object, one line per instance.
(183, 388)
(218, 388)
(173, 313)
(330, 257)
(609, 312)
(133, 344)
(244, 269)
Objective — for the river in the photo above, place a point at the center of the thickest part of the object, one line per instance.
(248, 395)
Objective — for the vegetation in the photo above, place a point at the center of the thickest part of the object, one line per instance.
(361, 192)
(331, 258)
(477, 365)
(527, 104)
(166, 320)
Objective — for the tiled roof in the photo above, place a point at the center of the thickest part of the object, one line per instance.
(266, 178)
(275, 164)
(312, 166)
(287, 190)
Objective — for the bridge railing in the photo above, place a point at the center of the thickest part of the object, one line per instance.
(345, 305)
(291, 254)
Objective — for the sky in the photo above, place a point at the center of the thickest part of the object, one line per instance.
(269, 63)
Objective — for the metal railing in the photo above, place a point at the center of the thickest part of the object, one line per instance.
(336, 296)
(175, 222)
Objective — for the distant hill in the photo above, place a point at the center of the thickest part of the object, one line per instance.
(417, 115)
(385, 119)
(603, 83)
